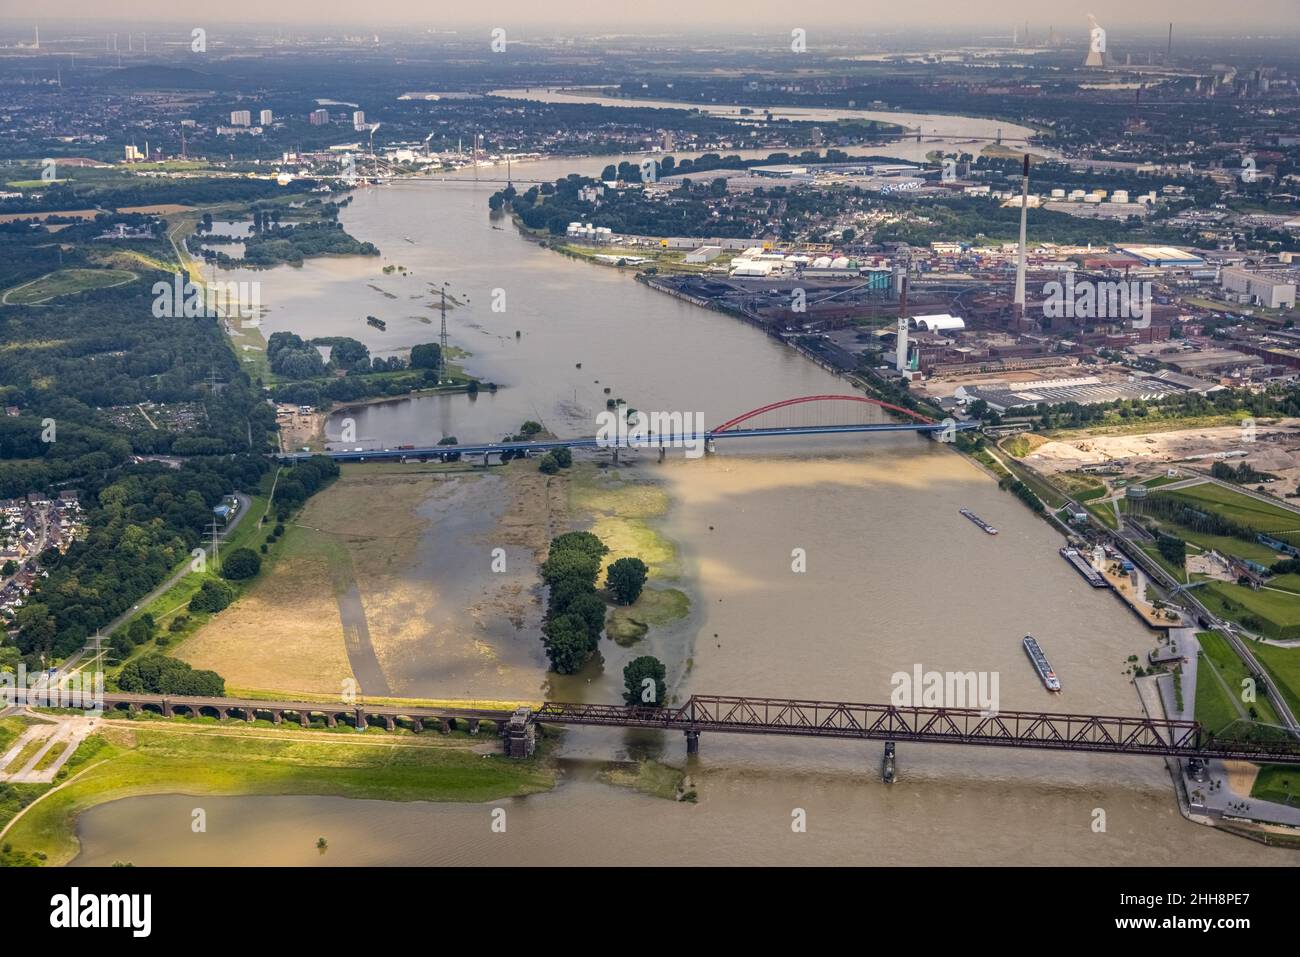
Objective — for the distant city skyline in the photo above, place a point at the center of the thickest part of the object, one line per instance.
(988, 18)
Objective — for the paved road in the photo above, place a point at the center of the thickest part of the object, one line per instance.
(64, 732)
(1227, 629)
(245, 506)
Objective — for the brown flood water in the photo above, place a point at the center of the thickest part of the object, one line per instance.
(895, 578)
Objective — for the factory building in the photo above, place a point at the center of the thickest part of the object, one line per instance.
(1272, 289)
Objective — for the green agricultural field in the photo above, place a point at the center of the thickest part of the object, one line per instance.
(1274, 614)
(1215, 709)
(1289, 583)
(1224, 544)
(1283, 666)
(1218, 655)
(1242, 509)
(64, 282)
(1278, 782)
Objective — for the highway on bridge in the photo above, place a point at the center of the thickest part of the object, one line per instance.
(734, 428)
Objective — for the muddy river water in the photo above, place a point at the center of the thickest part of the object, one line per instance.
(894, 578)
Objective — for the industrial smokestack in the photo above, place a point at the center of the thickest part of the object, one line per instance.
(1024, 217)
(900, 354)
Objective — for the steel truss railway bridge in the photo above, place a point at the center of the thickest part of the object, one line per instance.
(1031, 730)
(790, 418)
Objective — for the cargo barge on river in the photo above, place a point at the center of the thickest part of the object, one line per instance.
(1094, 578)
(978, 521)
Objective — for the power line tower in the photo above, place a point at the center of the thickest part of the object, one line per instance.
(215, 528)
(442, 339)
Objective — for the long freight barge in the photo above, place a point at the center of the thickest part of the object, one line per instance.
(1041, 665)
(1094, 578)
(978, 521)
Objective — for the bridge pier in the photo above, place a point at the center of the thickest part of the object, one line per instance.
(473, 725)
(331, 721)
(249, 716)
(167, 710)
(223, 714)
(304, 719)
(361, 720)
(277, 716)
(390, 723)
(417, 724)
(444, 726)
(662, 452)
(709, 447)
(692, 742)
(616, 455)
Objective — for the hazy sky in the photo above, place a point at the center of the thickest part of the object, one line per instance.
(746, 17)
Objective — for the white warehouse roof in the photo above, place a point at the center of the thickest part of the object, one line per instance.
(938, 323)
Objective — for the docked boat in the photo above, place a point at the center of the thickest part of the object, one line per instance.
(979, 521)
(1084, 567)
(1041, 664)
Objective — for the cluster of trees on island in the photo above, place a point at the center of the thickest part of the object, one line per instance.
(575, 611)
(270, 245)
(311, 379)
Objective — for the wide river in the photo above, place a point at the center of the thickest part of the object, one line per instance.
(895, 578)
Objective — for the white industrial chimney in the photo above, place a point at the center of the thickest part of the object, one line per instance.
(1020, 264)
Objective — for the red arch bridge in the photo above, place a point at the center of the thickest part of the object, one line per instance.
(1034, 730)
(799, 416)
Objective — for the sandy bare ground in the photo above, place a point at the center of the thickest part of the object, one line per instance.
(1241, 776)
(287, 633)
(389, 568)
(298, 431)
(284, 635)
(1203, 564)
(1275, 448)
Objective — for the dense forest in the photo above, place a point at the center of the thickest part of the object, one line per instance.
(87, 352)
(143, 521)
(90, 192)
